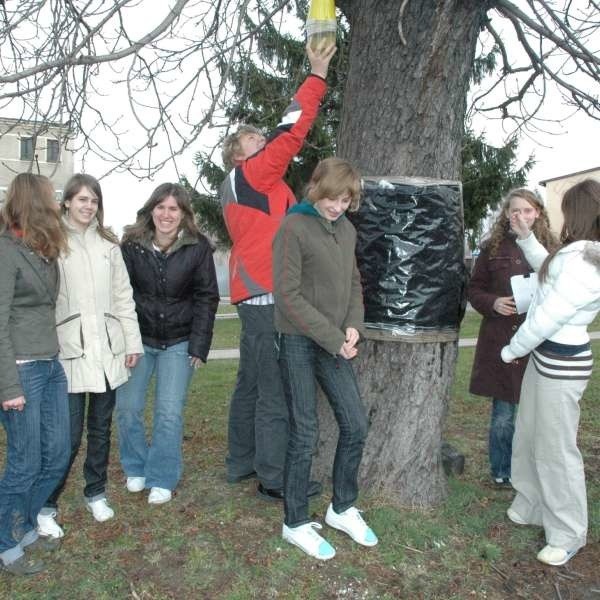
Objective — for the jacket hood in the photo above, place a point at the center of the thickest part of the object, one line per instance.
(304, 208)
(307, 208)
(591, 253)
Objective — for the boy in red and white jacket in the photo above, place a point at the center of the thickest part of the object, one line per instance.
(255, 199)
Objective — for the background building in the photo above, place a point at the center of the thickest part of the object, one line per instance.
(37, 147)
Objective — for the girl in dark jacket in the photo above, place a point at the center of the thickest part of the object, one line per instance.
(490, 294)
(175, 291)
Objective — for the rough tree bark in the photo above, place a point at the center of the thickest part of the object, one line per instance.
(403, 115)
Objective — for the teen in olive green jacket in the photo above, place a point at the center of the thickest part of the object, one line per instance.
(318, 314)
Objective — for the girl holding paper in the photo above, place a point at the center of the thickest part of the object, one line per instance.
(491, 295)
(547, 465)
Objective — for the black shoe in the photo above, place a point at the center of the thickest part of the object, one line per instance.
(24, 566)
(240, 478)
(314, 489)
(45, 543)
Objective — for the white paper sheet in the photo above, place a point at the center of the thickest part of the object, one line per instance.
(523, 288)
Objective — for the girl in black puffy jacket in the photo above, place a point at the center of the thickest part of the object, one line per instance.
(172, 274)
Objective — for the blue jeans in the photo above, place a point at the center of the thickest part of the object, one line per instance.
(161, 461)
(99, 419)
(502, 429)
(304, 363)
(258, 415)
(37, 453)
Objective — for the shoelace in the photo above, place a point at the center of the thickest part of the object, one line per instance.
(355, 514)
(314, 525)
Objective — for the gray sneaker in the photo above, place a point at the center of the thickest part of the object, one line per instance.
(24, 566)
(45, 543)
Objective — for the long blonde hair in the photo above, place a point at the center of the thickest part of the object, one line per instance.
(32, 209)
(541, 226)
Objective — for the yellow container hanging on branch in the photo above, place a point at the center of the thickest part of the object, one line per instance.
(321, 24)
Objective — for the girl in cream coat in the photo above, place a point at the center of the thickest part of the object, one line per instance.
(547, 467)
(98, 335)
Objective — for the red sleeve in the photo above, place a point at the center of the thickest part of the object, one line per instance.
(267, 167)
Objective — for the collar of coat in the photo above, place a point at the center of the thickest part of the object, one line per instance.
(72, 229)
(307, 208)
(589, 250)
(183, 239)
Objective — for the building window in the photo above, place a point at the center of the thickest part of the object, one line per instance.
(52, 149)
(27, 148)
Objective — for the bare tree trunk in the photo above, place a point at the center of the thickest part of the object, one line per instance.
(404, 391)
(403, 114)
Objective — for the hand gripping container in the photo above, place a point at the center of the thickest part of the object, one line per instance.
(321, 24)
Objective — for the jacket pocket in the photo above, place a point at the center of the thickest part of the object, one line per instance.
(114, 333)
(70, 337)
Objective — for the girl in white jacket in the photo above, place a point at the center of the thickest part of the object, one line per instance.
(547, 467)
(98, 336)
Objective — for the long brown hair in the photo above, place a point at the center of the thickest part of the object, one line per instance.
(73, 187)
(541, 226)
(144, 225)
(581, 211)
(32, 208)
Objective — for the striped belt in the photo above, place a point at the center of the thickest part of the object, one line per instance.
(557, 366)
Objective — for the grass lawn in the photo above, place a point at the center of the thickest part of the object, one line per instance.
(226, 334)
(220, 541)
(227, 331)
(226, 309)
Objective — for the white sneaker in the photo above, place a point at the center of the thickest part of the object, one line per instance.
(308, 540)
(135, 484)
(48, 526)
(352, 523)
(100, 509)
(515, 517)
(551, 555)
(159, 495)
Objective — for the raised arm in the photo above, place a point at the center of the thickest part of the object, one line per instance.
(267, 167)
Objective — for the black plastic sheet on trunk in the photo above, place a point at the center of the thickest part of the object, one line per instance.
(410, 252)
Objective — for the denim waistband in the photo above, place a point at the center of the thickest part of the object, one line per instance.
(563, 349)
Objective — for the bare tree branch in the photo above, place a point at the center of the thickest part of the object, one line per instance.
(138, 82)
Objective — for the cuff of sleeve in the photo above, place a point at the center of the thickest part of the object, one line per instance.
(335, 346)
(317, 76)
(507, 355)
(527, 241)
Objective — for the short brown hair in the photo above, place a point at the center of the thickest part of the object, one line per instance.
(334, 177)
(231, 145)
